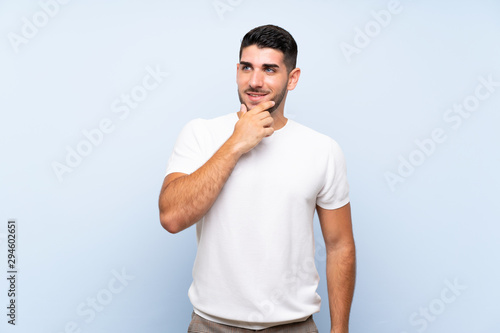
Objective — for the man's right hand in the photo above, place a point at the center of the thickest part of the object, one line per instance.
(252, 127)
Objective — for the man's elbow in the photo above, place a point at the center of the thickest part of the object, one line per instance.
(169, 223)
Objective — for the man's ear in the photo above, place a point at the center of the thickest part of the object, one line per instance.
(293, 78)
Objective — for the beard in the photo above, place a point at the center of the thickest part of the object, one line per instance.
(277, 99)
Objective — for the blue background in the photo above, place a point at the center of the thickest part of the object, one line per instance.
(436, 226)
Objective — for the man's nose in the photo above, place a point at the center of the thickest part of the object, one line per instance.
(257, 79)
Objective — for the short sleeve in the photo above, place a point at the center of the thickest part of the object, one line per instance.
(335, 192)
(187, 155)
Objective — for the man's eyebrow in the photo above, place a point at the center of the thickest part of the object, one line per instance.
(245, 63)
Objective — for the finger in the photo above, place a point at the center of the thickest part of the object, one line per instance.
(243, 109)
(267, 122)
(263, 115)
(263, 106)
(268, 131)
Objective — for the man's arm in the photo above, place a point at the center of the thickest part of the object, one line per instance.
(184, 199)
(340, 263)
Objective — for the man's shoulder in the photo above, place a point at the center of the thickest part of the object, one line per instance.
(212, 131)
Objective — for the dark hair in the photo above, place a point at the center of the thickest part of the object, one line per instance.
(273, 37)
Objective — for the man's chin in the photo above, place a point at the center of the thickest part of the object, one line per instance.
(251, 105)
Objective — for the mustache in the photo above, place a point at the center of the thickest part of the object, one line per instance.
(257, 91)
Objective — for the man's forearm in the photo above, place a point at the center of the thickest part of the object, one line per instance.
(186, 199)
(341, 276)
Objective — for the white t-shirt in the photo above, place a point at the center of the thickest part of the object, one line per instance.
(254, 266)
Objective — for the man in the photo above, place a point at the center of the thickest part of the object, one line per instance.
(251, 181)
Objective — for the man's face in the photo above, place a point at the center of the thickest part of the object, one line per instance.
(261, 76)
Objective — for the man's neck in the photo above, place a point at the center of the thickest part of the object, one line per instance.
(279, 120)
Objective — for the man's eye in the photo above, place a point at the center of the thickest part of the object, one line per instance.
(270, 70)
(245, 68)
